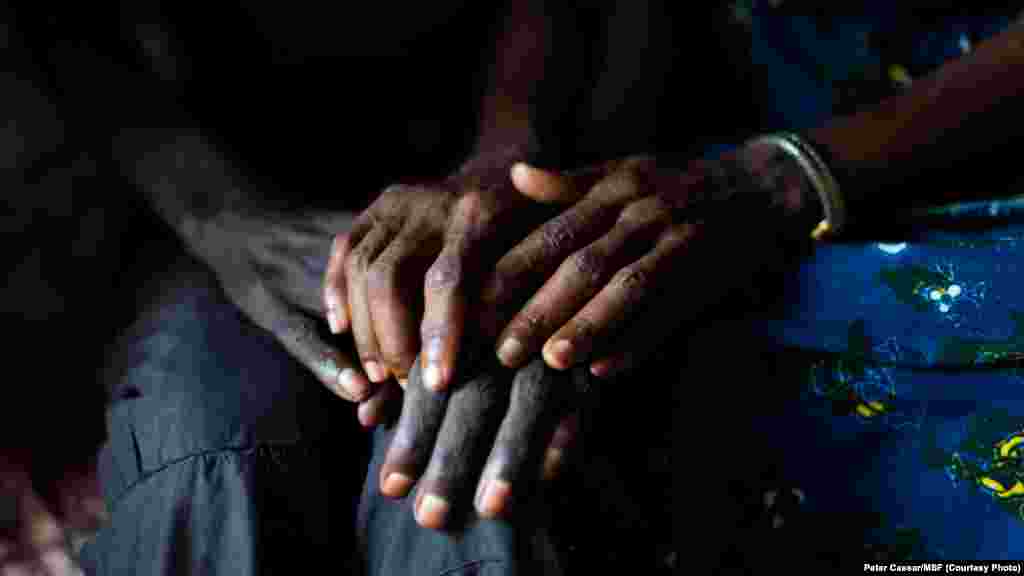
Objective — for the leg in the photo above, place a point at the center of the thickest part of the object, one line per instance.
(392, 543)
(217, 459)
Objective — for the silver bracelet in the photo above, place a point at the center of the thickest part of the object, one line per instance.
(820, 177)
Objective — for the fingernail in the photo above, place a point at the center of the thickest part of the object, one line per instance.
(332, 312)
(510, 352)
(374, 372)
(367, 415)
(396, 485)
(519, 173)
(552, 462)
(599, 369)
(58, 562)
(492, 501)
(432, 377)
(433, 511)
(560, 354)
(353, 382)
(432, 371)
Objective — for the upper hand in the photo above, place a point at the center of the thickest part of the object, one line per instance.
(642, 248)
(436, 238)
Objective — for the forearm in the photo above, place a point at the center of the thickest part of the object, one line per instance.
(937, 142)
(179, 173)
(520, 62)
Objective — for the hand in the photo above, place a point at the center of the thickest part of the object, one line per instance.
(640, 250)
(46, 511)
(272, 269)
(522, 422)
(445, 233)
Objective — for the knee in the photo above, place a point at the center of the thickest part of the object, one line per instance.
(192, 376)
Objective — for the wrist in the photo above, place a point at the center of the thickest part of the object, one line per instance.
(489, 169)
(796, 181)
(758, 185)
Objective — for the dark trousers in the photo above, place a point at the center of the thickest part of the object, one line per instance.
(225, 457)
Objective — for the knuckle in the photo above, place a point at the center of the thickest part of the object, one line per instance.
(381, 276)
(473, 213)
(339, 244)
(528, 321)
(430, 330)
(633, 214)
(613, 188)
(633, 281)
(358, 261)
(589, 264)
(583, 328)
(560, 232)
(472, 202)
(644, 212)
(444, 274)
(396, 356)
(677, 235)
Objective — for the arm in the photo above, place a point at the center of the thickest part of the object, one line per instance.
(445, 232)
(935, 144)
(940, 142)
(519, 64)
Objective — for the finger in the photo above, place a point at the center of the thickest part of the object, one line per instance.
(553, 187)
(80, 498)
(579, 278)
(17, 569)
(335, 370)
(561, 442)
(618, 302)
(379, 408)
(536, 397)
(39, 531)
(395, 298)
(642, 340)
(526, 266)
(335, 297)
(57, 562)
(356, 270)
(418, 423)
(445, 288)
(468, 429)
(612, 365)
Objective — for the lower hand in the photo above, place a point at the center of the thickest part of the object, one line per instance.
(517, 425)
(642, 249)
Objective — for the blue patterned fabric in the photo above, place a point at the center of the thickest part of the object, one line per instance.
(912, 405)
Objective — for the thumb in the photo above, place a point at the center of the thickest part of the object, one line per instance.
(545, 185)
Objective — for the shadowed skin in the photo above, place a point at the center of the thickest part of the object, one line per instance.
(498, 421)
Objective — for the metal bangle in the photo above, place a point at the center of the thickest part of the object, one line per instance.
(820, 177)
